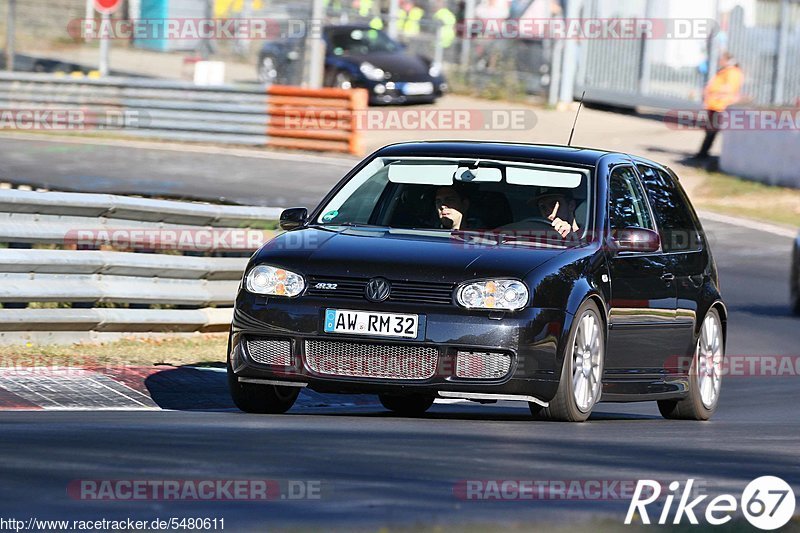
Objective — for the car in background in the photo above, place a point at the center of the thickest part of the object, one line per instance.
(26, 63)
(357, 56)
(794, 281)
(375, 292)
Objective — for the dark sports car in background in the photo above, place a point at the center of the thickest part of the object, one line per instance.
(358, 56)
(371, 292)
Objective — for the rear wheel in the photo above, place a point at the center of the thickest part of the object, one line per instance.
(407, 405)
(581, 376)
(263, 399)
(705, 375)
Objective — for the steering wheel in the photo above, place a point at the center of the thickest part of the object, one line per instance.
(543, 220)
(523, 224)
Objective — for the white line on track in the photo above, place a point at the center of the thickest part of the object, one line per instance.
(265, 153)
(749, 224)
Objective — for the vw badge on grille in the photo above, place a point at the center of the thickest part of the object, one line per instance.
(377, 289)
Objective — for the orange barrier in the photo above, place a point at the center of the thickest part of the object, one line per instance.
(315, 119)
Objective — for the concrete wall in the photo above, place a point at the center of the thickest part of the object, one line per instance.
(771, 157)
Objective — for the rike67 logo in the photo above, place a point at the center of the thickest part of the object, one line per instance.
(768, 502)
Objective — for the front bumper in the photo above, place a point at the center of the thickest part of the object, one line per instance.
(531, 337)
(392, 92)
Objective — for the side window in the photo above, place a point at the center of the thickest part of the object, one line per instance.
(675, 221)
(627, 203)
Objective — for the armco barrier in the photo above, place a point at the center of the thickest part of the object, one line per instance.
(181, 111)
(289, 106)
(75, 266)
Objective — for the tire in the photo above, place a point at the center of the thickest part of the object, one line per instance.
(261, 399)
(700, 404)
(588, 330)
(267, 69)
(409, 405)
(341, 80)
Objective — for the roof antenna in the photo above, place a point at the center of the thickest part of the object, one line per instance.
(580, 104)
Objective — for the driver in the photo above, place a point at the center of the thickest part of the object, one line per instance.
(558, 206)
(451, 207)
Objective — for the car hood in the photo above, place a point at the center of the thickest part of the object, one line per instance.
(399, 64)
(421, 255)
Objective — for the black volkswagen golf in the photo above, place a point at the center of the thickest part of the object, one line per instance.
(557, 276)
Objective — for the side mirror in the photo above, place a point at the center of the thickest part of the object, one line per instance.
(635, 240)
(292, 218)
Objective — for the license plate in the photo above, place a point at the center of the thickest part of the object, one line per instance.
(416, 89)
(370, 323)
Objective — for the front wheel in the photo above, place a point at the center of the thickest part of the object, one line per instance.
(705, 375)
(407, 405)
(341, 80)
(261, 399)
(581, 376)
(268, 70)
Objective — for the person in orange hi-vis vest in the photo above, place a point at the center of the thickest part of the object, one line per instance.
(721, 92)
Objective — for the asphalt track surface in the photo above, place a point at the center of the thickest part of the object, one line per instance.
(193, 172)
(374, 468)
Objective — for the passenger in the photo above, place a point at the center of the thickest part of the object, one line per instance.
(559, 208)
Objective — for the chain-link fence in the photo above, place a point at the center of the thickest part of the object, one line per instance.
(762, 35)
(662, 70)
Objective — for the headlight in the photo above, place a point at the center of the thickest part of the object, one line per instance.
(435, 71)
(265, 279)
(371, 71)
(508, 294)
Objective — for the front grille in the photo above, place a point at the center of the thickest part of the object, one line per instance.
(421, 292)
(276, 352)
(385, 361)
(482, 365)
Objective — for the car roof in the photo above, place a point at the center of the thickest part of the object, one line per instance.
(348, 27)
(489, 149)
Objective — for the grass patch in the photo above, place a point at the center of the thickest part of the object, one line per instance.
(490, 86)
(751, 199)
(203, 348)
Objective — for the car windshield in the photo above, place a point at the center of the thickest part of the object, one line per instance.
(503, 200)
(361, 42)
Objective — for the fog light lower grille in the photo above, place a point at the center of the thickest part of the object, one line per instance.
(482, 365)
(276, 352)
(385, 361)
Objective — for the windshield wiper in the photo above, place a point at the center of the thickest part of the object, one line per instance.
(508, 239)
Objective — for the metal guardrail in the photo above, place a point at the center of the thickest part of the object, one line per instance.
(181, 111)
(113, 264)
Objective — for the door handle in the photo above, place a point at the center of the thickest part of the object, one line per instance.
(669, 276)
